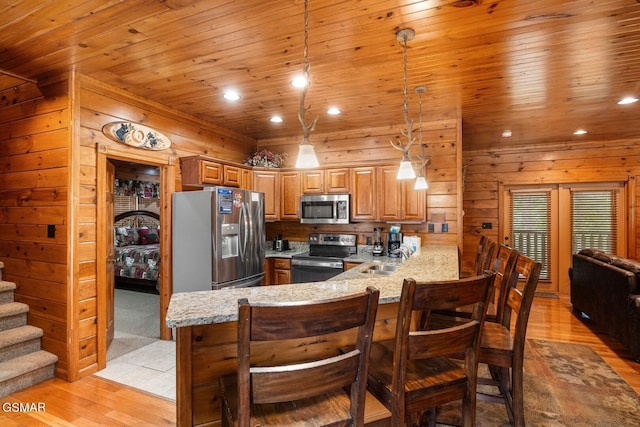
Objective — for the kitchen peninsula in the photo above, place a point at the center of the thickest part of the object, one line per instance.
(206, 329)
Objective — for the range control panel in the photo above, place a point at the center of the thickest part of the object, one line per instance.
(332, 239)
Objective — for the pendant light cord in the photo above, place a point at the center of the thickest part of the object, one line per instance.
(306, 128)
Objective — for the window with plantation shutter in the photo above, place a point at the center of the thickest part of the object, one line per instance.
(530, 226)
(551, 222)
(594, 220)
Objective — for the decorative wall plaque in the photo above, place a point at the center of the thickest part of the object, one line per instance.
(136, 135)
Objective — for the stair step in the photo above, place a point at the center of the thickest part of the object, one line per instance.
(25, 371)
(6, 291)
(17, 342)
(13, 315)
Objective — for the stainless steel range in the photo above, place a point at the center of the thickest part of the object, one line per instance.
(324, 259)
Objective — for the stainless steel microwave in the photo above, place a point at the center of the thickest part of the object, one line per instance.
(324, 209)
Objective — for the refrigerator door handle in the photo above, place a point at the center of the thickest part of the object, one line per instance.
(243, 232)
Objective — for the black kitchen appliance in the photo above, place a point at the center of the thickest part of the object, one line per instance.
(324, 259)
(378, 242)
(280, 244)
(394, 240)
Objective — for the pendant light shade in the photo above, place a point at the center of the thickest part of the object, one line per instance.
(406, 169)
(421, 183)
(306, 156)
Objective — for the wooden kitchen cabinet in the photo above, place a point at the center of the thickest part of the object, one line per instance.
(364, 197)
(246, 178)
(281, 193)
(414, 202)
(268, 182)
(231, 176)
(399, 201)
(337, 180)
(313, 181)
(290, 195)
(326, 181)
(198, 171)
(389, 205)
(348, 265)
(281, 271)
(203, 171)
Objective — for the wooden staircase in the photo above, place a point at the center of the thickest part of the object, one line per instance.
(22, 362)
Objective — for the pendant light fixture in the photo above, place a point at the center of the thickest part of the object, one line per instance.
(421, 181)
(306, 153)
(406, 168)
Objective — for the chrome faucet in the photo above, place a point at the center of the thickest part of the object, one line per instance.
(405, 251)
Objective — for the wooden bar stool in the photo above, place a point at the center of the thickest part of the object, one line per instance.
(484, 255)
(417, 371)
(503, 264)
(502, 346)
(318, 392)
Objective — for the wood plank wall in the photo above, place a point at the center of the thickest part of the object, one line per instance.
(561, 163)
(367, 147)
(100, 104)
(34, 194)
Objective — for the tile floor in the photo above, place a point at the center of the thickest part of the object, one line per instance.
(151, 368)
(137, 357)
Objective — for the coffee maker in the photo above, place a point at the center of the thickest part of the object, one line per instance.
(394, 240)
(378, 244)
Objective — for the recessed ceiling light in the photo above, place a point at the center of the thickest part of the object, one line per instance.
(334, 111)
(231, 95)
(275, 119)
(580, 132)
(628, 100)
(299, 81)
(506, 133)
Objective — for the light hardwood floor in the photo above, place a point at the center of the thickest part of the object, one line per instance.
(93, 401)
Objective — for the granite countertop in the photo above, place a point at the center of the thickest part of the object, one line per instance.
(435, 262)
(270, 253)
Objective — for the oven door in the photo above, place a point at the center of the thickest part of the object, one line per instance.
(311, 270)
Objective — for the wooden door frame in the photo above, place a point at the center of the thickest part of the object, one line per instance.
(167, 166)
(561, 220)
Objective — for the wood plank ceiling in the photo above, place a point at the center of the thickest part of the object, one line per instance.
(541, 69)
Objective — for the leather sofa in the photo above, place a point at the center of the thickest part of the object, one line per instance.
(606, 288)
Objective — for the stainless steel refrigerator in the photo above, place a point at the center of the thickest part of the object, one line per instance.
(218, 239)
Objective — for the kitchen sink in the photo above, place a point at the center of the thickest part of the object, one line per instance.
(383, 269)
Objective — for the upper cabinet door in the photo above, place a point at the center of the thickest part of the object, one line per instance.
(414, 202)
(390, 204)
(322, 181)
(200, 171)
(232, 176)
(289, 195)
(363, 194)
(337, 180)
(313, 181)
(399, 201)
(268, 182)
